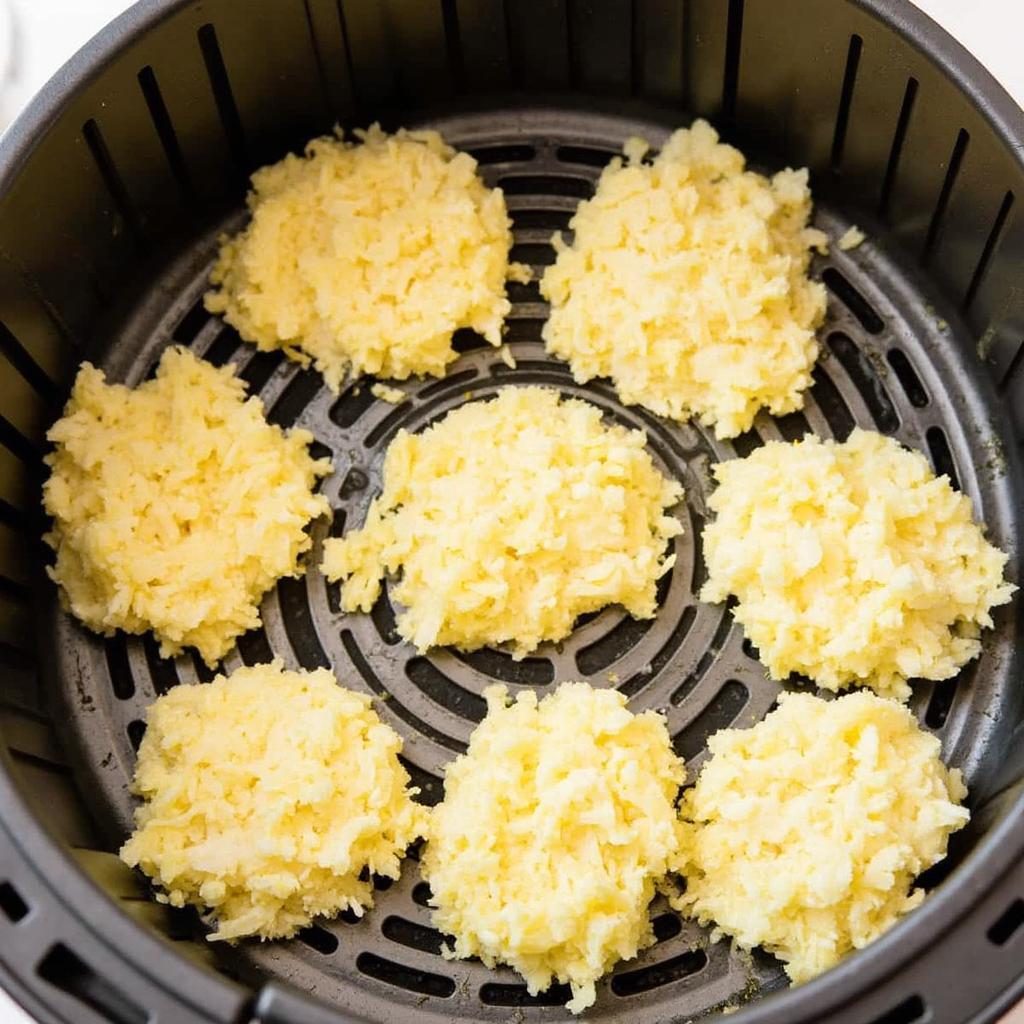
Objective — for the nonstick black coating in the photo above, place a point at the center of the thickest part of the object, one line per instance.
(112, 186)
(889, 362)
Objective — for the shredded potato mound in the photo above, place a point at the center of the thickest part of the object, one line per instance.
(804, 834)
(555, 829)
(508, 519)
(686, 284)
(267, 793)
(368, 256)
(176, 506)
(853, 563)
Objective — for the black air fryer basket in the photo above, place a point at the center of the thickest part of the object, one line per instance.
(115, 185)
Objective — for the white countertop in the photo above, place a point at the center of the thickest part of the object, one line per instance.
(49, 31)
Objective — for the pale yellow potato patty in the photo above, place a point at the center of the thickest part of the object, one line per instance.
(175, 505)
(366, 256)
(266, 794)
(686, 283)
(805, 833)
(506, 520)
(853, 563)
(556, 828)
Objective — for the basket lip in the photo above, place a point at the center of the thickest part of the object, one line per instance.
(926, 35)
(23, 134)
(210, 996)
(981, 87)
(209, 993)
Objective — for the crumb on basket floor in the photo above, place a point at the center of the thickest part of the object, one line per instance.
(851, 238)
(386, 393)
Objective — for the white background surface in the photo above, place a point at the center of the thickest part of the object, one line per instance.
(47, 32)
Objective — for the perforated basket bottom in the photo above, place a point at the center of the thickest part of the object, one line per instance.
(888, 363)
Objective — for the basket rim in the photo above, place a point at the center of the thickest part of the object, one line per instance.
(212, 996)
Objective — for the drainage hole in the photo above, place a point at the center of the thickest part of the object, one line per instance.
(499, 665)
(941, 702)
(1008, 924)
(512, 154)
(496, 994)
(908, 378)
(907, 1012)
(719, 714)
(584, 155)
(119, 667)
(942, 457)
(355, 481)
(622, 638)
(546, 220)
(631, 983)
(864, 375)
(68, 972)
(425, 982)
(747, 442)
(224, 346)
(535, 254)
(136, 730)
(832, 404)
(444, 691)
(415, 936)
(319, 939)
(666, 926)
(793, 426)
(11, 903)
(354, 401)
(853, 300)
(546, 185)
(191, 323)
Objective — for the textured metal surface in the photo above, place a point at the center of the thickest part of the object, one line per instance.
(888, 363)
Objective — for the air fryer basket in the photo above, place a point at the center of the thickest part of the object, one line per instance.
(115, 185)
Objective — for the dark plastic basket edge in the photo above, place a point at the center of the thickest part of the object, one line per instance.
(22, 135)
(984, 90)
(213, 998)
(36, 863)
